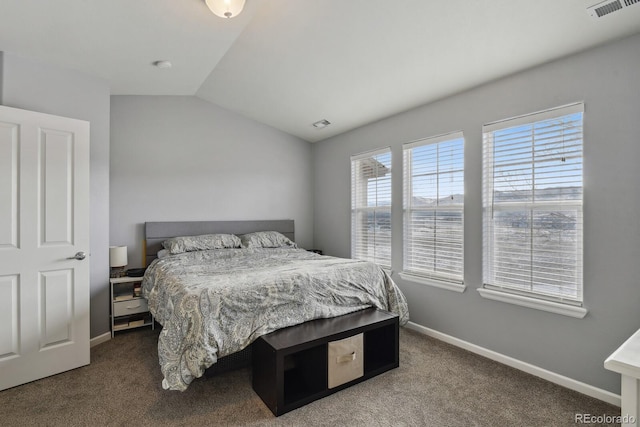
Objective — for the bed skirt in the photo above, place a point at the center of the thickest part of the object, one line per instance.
(238, 360)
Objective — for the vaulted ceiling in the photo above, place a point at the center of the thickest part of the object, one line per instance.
(290, 63)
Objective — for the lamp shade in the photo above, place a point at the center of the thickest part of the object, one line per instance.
(118, 256)
(226, 8)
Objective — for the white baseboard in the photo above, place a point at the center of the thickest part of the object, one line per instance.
(100, 339)
(553, 377)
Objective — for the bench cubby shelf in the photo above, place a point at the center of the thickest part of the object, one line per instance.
(290, 365)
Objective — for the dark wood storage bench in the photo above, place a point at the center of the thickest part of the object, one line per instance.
(290, 365)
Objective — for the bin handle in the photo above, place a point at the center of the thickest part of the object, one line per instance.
(346, 358)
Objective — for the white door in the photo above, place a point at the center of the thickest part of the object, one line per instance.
(44, 222)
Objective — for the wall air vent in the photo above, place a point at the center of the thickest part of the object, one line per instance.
(607, 7)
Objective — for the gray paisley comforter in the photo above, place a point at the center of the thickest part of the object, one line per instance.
(216, 302)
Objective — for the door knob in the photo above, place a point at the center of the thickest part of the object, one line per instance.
(79, 256)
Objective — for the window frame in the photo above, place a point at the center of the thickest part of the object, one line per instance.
(501, 290)
(359, 239)
(412, 271)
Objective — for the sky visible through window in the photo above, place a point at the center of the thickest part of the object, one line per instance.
(440, 178)
(546, 156)
(539, 156)
(375, 196)
(437, 173)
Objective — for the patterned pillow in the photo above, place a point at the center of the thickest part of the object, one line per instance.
(178, 245)
(266, 239)
(163, 253)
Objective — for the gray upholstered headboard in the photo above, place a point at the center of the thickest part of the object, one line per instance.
(156, 232)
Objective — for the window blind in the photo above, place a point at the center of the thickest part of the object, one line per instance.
(532, 200)
(434, 207)
(371, 207)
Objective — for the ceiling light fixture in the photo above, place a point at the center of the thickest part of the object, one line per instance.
(321, 124)
(226, 8)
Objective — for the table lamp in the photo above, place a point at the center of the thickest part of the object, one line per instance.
(117, 260)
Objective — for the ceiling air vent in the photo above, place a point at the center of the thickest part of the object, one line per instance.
(606, 7)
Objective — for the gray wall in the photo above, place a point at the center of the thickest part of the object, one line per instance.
(178, 158)
(36, 86)
(606, 80)
(1, 74)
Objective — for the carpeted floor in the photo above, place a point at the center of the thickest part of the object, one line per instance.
(436, 385)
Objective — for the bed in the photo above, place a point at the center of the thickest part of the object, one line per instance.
(217, 286)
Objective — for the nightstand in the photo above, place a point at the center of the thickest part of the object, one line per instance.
(129, 309)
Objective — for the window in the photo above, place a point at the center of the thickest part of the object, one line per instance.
(371, 207)
(532, 199)
(433, 208)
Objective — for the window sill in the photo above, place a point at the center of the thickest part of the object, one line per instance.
(455, 287)
(538, 304)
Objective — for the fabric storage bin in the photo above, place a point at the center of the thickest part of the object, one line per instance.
(345, 359)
